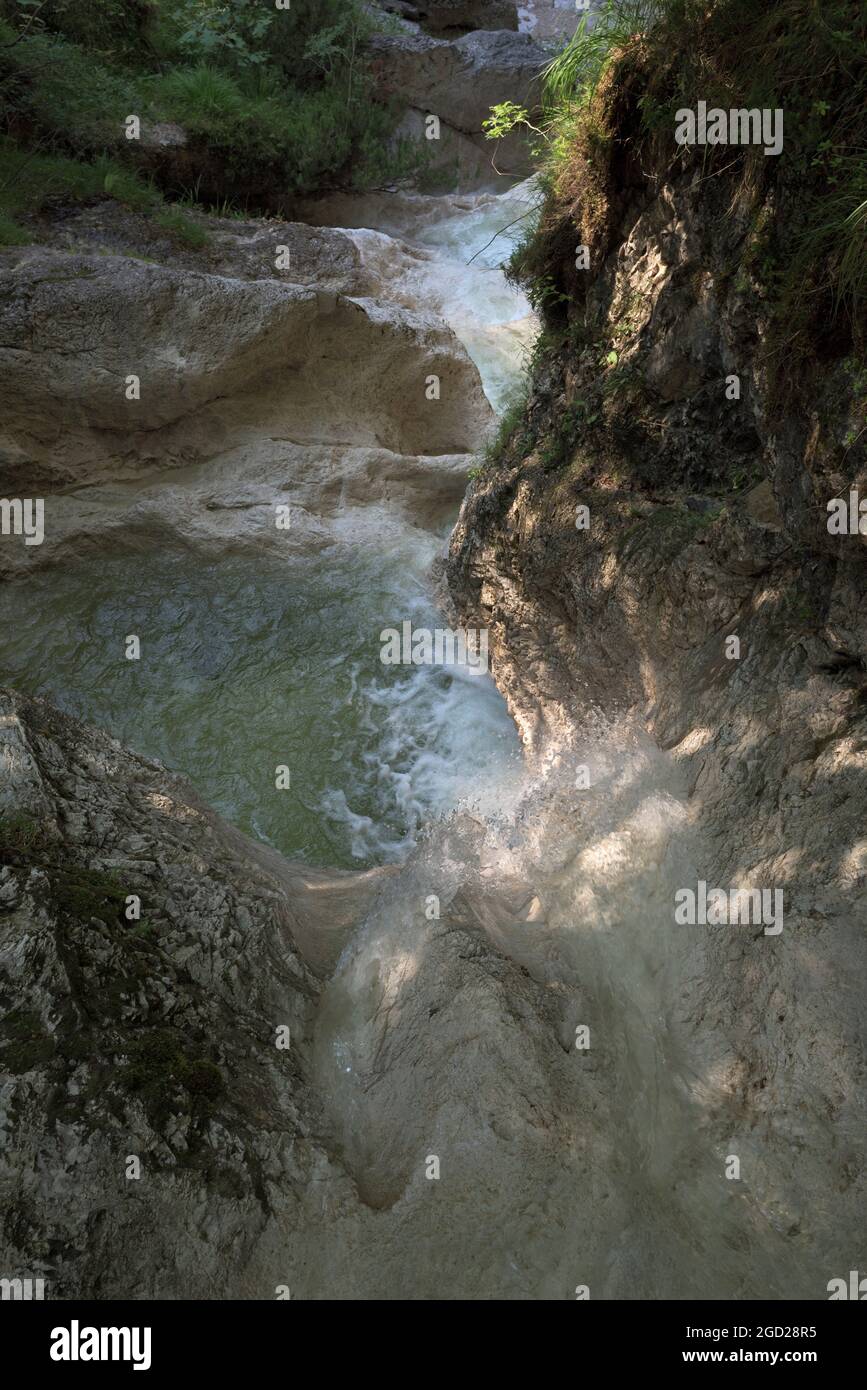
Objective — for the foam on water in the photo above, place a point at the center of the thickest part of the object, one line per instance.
(464, 243)
(247, 664)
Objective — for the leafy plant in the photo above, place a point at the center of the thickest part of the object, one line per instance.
(182, 228)
(574, 74)
(281, 99)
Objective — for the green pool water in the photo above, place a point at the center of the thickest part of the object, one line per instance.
(247, 664)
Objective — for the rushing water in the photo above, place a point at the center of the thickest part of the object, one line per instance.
(468, 240)
(250, 663)
(248, 666)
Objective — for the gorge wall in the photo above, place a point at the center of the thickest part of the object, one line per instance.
(363, 1085)
(654, 498)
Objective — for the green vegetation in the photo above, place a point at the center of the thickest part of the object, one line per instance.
(24, 1044)
(19, 834)
(159, 1065)
(611, 98)
(166, 1067)
(88, 894)
(562, 440)
(181, 228)
(511, 418)
(31, 182)
(78, 892)
(273, 102)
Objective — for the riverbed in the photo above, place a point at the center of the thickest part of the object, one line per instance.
(253, 662)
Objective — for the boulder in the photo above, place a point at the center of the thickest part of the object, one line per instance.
(459, 81)
(117, 370)
(465, 14)
(299, 354)
(149, 1040)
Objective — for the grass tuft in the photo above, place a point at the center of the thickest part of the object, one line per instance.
(611, 96)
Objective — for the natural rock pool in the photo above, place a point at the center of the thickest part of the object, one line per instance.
(248, 664)
(250, 661)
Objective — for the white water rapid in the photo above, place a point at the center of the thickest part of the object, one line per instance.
(577, 888)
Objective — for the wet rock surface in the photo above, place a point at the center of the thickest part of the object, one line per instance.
(156, 1040)
(154, 369)
(459, 80)
(705, 520)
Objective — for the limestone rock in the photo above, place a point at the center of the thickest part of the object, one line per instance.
(626, 621)
(459, 81)
(326, 387)
(153, 1041)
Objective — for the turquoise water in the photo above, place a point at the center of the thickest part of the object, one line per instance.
(247, 664)
(250, 662)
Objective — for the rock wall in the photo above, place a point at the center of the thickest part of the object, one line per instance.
(242, 385)
(458, 81)
(151, 1039)
(639, 516)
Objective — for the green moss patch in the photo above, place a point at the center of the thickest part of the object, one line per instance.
(24, 1044)
(160, 1069)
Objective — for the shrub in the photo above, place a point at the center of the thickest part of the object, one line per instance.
(279, 100)
(181, 227)
(31, 182)
(611, 98)
(61, 96)
(18, 834)
(311, 41)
